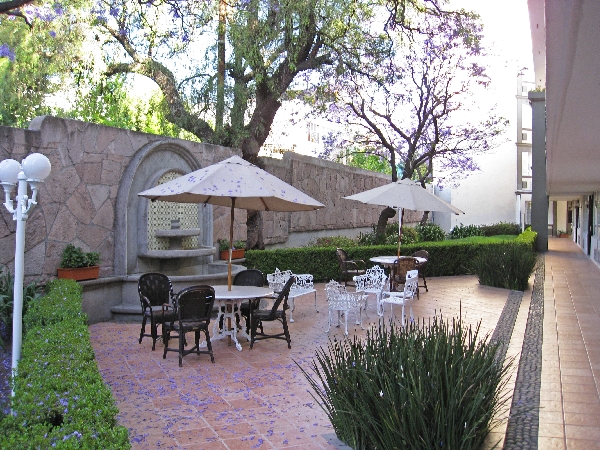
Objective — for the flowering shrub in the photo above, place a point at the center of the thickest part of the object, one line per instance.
(429, 386)
(430, 232)
(60, 400)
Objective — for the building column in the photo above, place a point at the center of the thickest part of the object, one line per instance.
(539, 198)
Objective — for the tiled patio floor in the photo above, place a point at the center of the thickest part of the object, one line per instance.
(255, 398)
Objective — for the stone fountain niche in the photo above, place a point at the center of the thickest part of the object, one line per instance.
(174, 238)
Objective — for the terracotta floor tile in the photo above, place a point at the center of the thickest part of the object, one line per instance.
(260, 399)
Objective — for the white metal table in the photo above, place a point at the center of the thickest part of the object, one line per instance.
(226, 302)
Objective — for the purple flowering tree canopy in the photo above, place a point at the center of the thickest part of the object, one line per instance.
(411, 106)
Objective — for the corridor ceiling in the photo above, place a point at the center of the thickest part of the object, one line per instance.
(572, 76)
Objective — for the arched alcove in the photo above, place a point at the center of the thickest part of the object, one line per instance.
(164, 158)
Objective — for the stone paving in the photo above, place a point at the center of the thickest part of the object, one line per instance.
(254, 398)
(260, 399)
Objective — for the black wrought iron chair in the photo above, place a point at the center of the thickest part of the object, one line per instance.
(194, 308)
(258, 316)
(249, 277)
(349, 268)
(155, 290)
(421, 265)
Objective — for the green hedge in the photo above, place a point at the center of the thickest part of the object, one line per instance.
(446, 258)
(60, 400)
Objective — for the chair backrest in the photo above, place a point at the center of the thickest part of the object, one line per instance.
(338, 298)
(278, 279)
(195, 303)
(376, 277)
(249, 277)
(156, 288)
(402, 266)
(283, 296)
(304, 282)
(412, 284)
(421, 254)
(341, 254)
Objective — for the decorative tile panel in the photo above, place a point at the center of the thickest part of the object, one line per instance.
(160, 215)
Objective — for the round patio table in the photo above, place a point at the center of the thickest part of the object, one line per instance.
(226, 301)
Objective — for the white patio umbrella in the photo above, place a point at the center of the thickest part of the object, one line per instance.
(404, 194)
(236, 183)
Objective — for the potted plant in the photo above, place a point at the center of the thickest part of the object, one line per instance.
(237, 252)
(79, 265)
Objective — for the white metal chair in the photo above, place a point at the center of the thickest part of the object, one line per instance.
(342, 301)
(372, 282)
(406, 297)
(303, 285)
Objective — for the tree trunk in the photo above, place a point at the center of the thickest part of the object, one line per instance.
(254, 225)
(385, 215)
(424, 218)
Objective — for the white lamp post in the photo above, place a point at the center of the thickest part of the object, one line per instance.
(33, 170)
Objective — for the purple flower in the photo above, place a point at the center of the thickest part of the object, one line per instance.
(52, 34)
(6, 52)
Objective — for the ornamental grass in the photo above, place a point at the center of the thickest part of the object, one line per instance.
(435, 385)
(507, 266)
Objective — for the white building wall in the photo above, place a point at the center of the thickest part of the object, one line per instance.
(488, 196)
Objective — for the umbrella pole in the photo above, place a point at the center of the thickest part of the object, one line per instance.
(230, 245)
(400, 229)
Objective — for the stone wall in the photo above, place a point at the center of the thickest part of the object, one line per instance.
(90, 197)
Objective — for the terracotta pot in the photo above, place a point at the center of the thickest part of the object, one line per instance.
(235, 254)
(80, 273)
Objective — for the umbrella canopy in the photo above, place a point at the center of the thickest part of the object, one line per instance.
(236, 183)
(404, 194)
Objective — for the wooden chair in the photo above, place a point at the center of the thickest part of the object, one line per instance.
(349, 268)
(155, 290)
(399, 270)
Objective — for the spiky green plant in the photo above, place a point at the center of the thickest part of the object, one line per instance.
(507, 266)
(436, 385)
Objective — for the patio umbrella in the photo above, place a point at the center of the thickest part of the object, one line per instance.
(404, 194)
(236, 183)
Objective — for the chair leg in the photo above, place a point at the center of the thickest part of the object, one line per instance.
(209, 346)
(153, 332)
(181, 339)
(166, 337)
(346, 322)
(286, 331)
(143, 327)
(425, 284)
(291, 303)
(253, 326)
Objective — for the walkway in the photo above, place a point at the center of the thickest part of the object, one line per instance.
(260, 399)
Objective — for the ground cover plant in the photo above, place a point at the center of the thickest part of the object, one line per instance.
(430, 386)
(60, 400)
